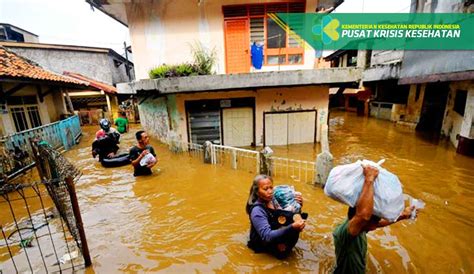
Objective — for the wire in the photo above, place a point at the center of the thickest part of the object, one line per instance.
(24, 228)
(40, 236)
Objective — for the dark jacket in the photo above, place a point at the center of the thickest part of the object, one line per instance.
(270, 228)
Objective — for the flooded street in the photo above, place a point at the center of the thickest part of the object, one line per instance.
(189, 217)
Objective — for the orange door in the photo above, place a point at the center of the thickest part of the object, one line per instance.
(237, 42)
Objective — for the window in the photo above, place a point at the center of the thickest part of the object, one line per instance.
(352, 58)
(19, 118)
(280, 45)
(33, 114)
(24, 111)
(276, 36)
(460, 101)
(3, 34)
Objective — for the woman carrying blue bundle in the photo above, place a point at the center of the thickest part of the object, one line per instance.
(272, 230)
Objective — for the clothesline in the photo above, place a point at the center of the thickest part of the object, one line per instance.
(269, 38)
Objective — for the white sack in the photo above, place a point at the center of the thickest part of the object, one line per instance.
(345, 182)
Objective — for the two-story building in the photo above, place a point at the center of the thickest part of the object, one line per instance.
(283, 102)
(430, 91)
(11, 33)
(441, 84)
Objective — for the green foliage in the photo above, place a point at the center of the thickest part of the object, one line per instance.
(185, 70)
(159, 72)
(204, 59)
(202, 64)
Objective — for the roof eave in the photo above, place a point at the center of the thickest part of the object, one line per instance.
(104, 10)
(44, 82)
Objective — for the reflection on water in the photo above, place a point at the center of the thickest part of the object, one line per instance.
(190, 217)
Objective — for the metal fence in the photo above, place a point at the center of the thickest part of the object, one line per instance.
(248, 160)
(16, 153)
(194, 150)
(41, 229)
(235, 158)
(34, 237)
(297, 170)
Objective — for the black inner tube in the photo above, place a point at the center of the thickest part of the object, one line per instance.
(119, 160)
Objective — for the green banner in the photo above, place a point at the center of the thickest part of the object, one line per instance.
(400, 31)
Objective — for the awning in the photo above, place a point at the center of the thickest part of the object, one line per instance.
(350, 91)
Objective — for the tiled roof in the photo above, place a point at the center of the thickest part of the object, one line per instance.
(99, 85)
(15, 66)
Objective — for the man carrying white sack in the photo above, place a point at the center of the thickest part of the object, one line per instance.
(350, 239)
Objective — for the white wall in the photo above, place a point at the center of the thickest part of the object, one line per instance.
(163, 31)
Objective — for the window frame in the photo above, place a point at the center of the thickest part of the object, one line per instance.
(268, 52)
(458, 100)
(25, 109)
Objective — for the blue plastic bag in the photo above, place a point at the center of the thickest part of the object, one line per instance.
(284, 198)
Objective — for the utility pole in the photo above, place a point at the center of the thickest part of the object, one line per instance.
(127, 69)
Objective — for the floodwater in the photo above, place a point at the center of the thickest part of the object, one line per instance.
(189, 217)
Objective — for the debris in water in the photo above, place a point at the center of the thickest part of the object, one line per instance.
(69, 256)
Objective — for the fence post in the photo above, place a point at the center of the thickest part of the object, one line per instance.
(173, 143)
(324, 160)
(208, 152)
(234, 159)
(265, 161)
(35, 155)
(77, 216)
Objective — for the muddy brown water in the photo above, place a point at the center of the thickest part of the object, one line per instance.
(190, 217)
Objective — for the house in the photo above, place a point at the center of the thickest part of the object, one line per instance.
(102, 67)
(379, 83)
(430, 91)
(31, 96)
(229, 27)
(349, 97)
(11, 33)
(284, 102)
(441, 84)
(90, 103)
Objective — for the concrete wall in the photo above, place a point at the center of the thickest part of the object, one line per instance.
(413, 109)
(29, 38)
(154, 117)
(119, 74)
(454, 123)
(8, 126)
(58, 104)
(384, 57)
(163, 31)
(156, 113)
(96, 65)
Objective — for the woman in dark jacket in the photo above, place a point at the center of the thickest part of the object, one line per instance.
(272, 230)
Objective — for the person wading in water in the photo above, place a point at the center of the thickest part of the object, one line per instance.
(138, 152)
(350, 239)
(272, 230)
